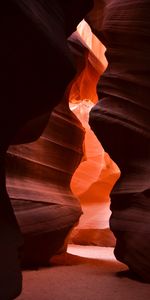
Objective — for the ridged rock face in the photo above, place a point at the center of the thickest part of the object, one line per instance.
(122, 124)
(41, 171)
(33, 57)
(38, 183)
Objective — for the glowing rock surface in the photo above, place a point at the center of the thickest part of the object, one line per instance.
(39, 173)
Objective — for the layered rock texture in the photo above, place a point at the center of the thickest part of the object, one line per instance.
(38, 183)
(34, 57)
(39, 173)
(122, 124)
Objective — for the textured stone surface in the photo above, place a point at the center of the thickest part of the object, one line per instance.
(39, 173)
(38, 182)
(34, 57)
(122, 124)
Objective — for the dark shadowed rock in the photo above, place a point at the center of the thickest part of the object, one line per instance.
(122, 124)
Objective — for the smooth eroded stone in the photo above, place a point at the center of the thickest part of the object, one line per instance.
(34, 60)
(121, 122)
(38, 182)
